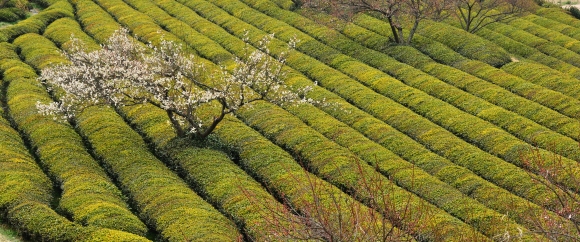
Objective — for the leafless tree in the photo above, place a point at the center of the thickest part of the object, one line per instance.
(476, 14)
(403, 16)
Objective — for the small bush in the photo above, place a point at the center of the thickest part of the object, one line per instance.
(575, 12)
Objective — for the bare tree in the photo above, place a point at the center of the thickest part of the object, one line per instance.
(324, 215)
(125, 72)
(476, 14)
(402, 15)
(566, 226)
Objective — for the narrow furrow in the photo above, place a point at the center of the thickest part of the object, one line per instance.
(559, 15)
(537, 43)
(26, 190)
(483, 134)
(515, 124)
(177, 213)
(545, 76)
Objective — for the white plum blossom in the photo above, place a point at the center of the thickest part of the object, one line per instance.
(126, 72)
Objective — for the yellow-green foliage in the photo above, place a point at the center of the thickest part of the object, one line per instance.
(538, 43)
(63, 30)
(500, 117)
(88, 194)
(547, 77)
(559, 15)
(209, 170)
(161, 198)
(95, 20)
(216, 32)
(26, 190)
(554, 25)
(547, 34)
(37, 23)
(414, 125)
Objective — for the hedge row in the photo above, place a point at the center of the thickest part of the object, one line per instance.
(162, 18)
(27, 191)
(547, 34)
(466, 44)
(483, 89)
(471, 104)
(211, 171)
(221, 36)
(401, 178)
(559, 102)
(177, 213)
(295, 191)
(95, 20)
(37, 23)
(546, 77)
(554, 25)
(11, 14)
(479, 132)
(419, 129)
(163, 200)
(89, 196)
(63, 30)
(559, 15)
(537, 43)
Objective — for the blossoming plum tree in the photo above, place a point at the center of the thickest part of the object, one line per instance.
(125, 72)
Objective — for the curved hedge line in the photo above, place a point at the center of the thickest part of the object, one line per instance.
(27, 191)
(88, 194)
(559, 15)
(292, 176)
(215, 32)
(38, 22)
(479, 132)
(546, 77)
(232, 41)
(537, 43)
(456, 96)
(554, 25)
(210, 171)
(549, 98)
(95, 20)
(189, 218)
(547, 34)
(62, 30)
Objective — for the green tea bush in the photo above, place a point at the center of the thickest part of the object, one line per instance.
(547, 34)
(554, 25)
(36, 23)
(546, 77)
(10, 14)
(559, 15)
(215, 32)
(472, 84)
(95, 20)
(160, 196)
(88, 196)
(211, 171)
(351, 93)
(528, 52)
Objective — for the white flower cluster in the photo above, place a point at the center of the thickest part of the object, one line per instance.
(125, 72)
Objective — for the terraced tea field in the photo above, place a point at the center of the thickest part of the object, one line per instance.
(442, 125)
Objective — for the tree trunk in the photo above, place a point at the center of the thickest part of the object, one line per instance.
(178, 129)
